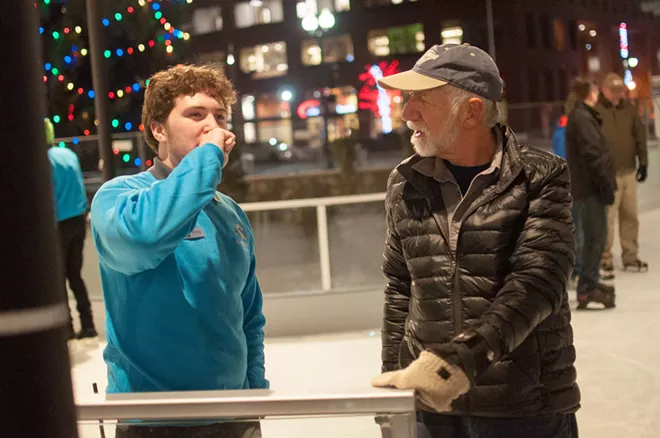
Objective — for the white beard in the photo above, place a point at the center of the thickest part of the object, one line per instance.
(438, 145)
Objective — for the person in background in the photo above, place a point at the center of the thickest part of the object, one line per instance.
(478, 252)
(626, 135)
(559, 148)
(592, 187)
(71, 205)
(559, 137)
(177, 262)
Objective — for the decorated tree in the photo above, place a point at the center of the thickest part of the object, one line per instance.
(139, 38)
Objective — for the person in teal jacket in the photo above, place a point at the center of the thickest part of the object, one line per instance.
(177, 262)
(70, 199)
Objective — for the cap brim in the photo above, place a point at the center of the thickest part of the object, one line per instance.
(410, 81)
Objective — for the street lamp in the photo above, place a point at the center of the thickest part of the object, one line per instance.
(317, 25)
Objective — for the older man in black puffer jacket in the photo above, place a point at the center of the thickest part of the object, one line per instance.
(478, 252)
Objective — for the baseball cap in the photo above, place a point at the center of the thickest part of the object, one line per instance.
(613, 81)
(461, 65)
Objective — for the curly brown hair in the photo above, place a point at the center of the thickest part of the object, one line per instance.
(166, 86)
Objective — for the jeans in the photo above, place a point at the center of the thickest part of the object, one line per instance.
(592, 215)
(545, 426)
(579, 241)
(72, 240)
(625, 207)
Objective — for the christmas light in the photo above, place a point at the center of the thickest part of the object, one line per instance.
(74, 52)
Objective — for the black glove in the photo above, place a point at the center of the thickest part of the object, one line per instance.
(641, 174)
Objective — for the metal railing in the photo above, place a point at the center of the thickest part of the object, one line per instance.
(394, 410)
(321, 205)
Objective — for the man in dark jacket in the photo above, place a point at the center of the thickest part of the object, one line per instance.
(626, 136)
(478, 253)
(592, 186)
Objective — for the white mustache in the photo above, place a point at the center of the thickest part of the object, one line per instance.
(416, 127)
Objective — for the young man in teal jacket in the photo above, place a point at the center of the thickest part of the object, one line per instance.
(71, 205)
(183, 304)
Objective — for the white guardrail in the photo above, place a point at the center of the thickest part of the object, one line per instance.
(321, 205)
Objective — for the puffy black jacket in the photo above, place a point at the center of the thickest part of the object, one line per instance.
(589, 156)
(506, 283)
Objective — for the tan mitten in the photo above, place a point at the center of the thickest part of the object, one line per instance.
(423, 375)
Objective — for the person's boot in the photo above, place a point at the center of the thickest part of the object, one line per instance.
(636, 266)
(88, 332)
(607, 271)
(87, 324)
(602, 294)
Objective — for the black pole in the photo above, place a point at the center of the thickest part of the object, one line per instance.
(100, 84)
(36, 398)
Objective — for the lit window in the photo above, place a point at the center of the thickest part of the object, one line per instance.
(207, 20)
(311, 52)
(338, 48)
(250, 133)
(452, 35)
(280, 130)
(312, 7)
(342, 5)
(258, 12)
(271, 106)
(265, 60)
(396, 40)
(247, 107)
(217, 59)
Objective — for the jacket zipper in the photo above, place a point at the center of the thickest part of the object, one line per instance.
(457, 298)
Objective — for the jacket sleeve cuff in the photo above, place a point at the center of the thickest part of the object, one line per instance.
(477, 350)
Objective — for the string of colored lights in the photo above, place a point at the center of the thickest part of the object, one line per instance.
(135, 87)
(158, 15)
